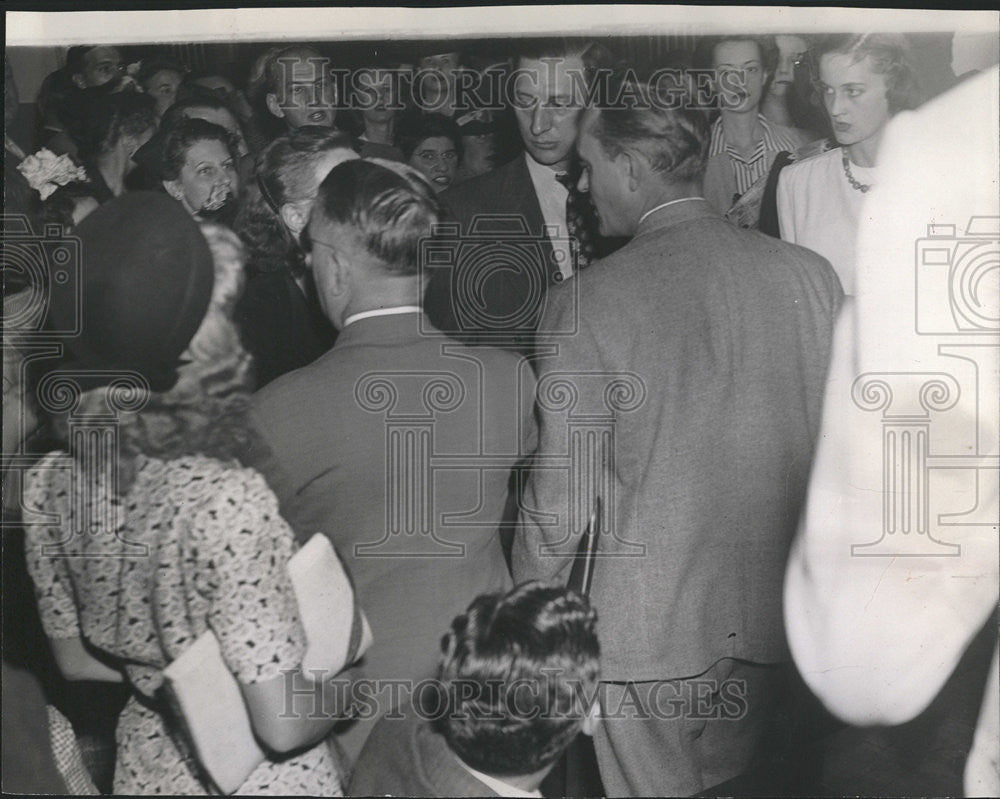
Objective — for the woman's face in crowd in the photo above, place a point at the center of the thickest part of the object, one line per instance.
(379, 96)
(854, 96)
(741, 75)
(162, 87)
(437, 159)
(436, 82)
(790, 50)
(208, 178)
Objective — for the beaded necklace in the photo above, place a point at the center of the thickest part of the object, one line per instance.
(862, 187)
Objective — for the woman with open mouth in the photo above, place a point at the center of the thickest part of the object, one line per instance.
(199, 169)
(432, 144)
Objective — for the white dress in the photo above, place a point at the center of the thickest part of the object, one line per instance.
(819, 209)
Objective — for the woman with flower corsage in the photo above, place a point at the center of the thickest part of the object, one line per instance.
(864, 79)
(65, 194)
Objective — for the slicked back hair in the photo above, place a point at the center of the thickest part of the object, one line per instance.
(390, 206)
(672, 136)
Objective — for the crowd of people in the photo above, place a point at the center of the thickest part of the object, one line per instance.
(441, 333)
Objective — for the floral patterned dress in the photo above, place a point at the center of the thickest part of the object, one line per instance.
(198, 544)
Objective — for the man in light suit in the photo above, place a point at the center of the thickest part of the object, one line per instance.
(398, 443)
(688, 400)
(531, 199)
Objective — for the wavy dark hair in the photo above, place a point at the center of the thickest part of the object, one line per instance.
(285, 170)
(415, 127)
(890, 55)
(186, 132)
(515, 672)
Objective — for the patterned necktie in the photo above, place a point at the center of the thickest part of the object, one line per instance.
(580, 218)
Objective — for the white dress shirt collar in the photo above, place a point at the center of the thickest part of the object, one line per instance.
(399, 309)
(498, 786)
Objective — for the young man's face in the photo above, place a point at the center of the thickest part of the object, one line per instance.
(101, 65)
(307, 92)
(740, 93)
(548, 104)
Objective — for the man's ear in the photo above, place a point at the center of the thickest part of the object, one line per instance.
(78, 80)
(174, 189)
(272, 105)
(593, 719)
(293, 217)
(631, 168)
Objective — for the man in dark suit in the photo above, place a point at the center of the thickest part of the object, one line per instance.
(398, 442)
(531, 205)
(688, 400)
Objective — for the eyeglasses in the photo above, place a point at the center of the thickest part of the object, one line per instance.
(429, 157)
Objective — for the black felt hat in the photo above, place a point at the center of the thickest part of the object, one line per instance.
(146, 282)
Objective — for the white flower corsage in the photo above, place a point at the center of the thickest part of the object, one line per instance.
(45, 171)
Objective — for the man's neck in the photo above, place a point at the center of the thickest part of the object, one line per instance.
(741, 127)
(523, 782)
(670, 193)
(379, 132)
(557, 168)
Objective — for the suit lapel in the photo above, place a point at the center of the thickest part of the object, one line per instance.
(518, 191)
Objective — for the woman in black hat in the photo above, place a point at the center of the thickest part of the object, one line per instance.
(178, 535)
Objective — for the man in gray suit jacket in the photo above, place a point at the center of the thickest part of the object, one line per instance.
(688, 400)
(398, 443)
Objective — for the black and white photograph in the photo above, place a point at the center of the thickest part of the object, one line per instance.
(523, 401)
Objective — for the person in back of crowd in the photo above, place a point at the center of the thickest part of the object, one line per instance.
(431, 144)
(90, 71)
(788, 99)
(435, 81)
(375, 113)
(291, 87)
(199, 170)
(279, 316)
(744, 142)
(517, 683)
(533, 197)
(864, 80)
(160, 79)
(418, 555)
(109, 130)
(158, 298)
(195, 103)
